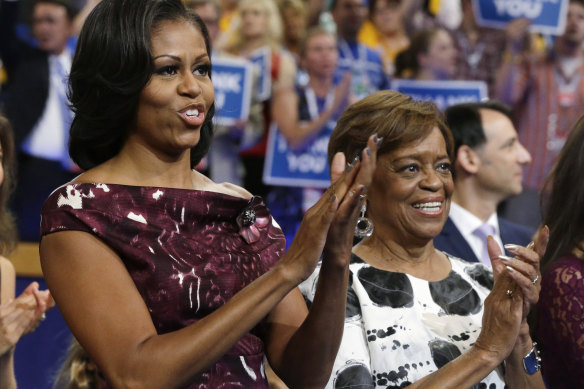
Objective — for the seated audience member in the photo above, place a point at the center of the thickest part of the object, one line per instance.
(365, 65)
(21, 315)
(430, 56)
(559, 313)
(36, 104)
(488, 167)
(319, 103)
(415, 315)
(166, 278)
(547, 96)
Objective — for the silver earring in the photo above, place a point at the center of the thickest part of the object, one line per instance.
(364, 226)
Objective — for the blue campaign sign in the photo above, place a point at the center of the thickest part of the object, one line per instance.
(547, 16)
(262, 59)
(232, 80)
(306, 166)
(443, 93)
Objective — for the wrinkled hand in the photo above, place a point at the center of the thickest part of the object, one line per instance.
(502, 318)
(523, 268)
(22, 315)
(338, 207)
(513, 294)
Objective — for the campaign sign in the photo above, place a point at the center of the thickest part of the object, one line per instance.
(262, 60)
(304, 166)
(547, 16)
(443, 93)
(232, 78)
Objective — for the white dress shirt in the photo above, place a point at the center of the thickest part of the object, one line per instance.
(466, 223)
(48, 139)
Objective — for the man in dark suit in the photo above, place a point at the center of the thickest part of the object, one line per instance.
(35, 102)
(488, 168)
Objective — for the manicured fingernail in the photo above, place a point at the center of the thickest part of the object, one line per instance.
(530, 245)
(368, 151)
(511, 247)
(505, 258)
(511, 270)
(375, 138)
(379, 141)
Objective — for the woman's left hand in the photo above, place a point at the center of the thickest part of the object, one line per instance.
(523, 268)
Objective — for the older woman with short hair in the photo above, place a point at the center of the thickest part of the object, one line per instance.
(417, 316)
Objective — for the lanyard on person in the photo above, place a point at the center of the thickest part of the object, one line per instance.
(360, 61)
(313, 110)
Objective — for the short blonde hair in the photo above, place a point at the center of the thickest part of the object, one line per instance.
(233, 40)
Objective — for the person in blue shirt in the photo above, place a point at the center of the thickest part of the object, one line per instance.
(367, 75)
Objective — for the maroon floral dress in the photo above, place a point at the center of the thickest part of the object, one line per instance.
(188, 253)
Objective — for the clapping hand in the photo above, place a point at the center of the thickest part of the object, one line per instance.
(23, 315)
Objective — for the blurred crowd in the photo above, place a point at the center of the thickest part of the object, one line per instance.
(323, 55)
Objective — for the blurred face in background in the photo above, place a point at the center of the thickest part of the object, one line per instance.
(349, 16)
(574, 32)
(321, 56)
(210, 17)
(440, 59)
(388, 16)
(253, 20)
(294, 23)
(51, 27)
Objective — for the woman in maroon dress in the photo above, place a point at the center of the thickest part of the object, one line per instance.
(560, 312)
(166, 278)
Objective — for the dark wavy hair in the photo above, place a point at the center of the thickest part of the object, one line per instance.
(565, 207)
(112, 64)
(8, 236)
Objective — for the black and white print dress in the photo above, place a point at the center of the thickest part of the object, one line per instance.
(399, 328)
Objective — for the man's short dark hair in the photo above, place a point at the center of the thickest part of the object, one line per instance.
(465, 122)
(71, 10)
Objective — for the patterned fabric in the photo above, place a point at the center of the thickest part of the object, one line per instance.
(399, 328)
(481, 61)
(544, 116)
(184, 251)
(560, 328)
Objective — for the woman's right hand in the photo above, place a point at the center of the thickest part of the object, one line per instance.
(334, 214)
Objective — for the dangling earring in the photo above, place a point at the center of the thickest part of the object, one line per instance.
(364, 226)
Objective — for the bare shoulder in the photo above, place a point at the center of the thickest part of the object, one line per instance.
(93, 175)
(233, 190)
